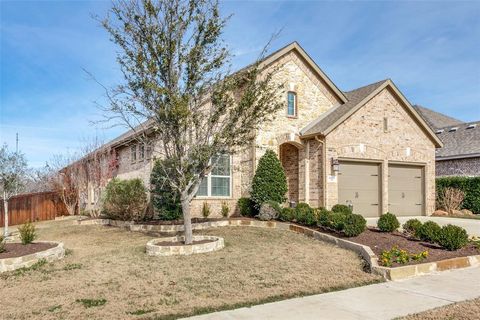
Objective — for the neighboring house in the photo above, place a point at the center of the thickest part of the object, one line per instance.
(460, 155)
(367, 147)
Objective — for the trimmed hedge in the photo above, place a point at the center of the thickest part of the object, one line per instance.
(388, 222)
(412, 225)
(341, 208)
(304, 214)
(269, 182)
(452, 237)
(429, 232)
(469, 185)
(354, 225)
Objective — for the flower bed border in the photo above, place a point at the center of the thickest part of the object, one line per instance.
(153, 249)
(52, 254)
(394, 273)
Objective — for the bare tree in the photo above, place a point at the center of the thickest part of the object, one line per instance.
(13, 167)
(450, 199)
(176, 70)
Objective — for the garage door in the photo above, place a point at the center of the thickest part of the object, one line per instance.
(405, 190)
(358, 184)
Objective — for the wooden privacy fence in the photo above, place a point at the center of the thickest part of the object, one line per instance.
(32, 207)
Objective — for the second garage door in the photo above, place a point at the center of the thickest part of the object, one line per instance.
(358, 184)
(405, 190)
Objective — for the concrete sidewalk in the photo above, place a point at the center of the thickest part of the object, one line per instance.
(379, 301)
(471, 225)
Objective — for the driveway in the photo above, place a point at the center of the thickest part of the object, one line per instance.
(471, 225)
(387, 300)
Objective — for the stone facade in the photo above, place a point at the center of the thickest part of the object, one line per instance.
(362, 136)
(307, 160)
(458, 167)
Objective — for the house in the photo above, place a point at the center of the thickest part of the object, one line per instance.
(460, 155)
(368, 147)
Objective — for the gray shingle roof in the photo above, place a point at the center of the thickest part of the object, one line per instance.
(436, 119)
(461, 142)
(327, 119)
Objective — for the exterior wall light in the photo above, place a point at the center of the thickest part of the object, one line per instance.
(335, 165)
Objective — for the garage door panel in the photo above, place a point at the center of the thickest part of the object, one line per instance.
(405, 190)
(359, 184)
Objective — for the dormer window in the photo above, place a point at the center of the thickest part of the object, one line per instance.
(292, 104)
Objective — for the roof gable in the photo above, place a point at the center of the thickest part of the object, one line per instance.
(462, 142)
(294, 46)
(357, 99)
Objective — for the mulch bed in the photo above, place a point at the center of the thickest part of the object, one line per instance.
(384, 241)
(14, 250)
(179, 243)
(194, 220)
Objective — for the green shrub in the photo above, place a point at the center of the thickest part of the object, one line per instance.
(126, 200)
(269, 182)
(287, 214)
(205, 209)
(470, 187)
(429, 232)
(27, 233)
(412, 225)
(452, 237)
(325, 218)
(304, 214)
(165, 200)
(2, 244)
(388, 222)
(225, 209)
(354, 225)
(341, 208)
(338, 220)
(246, 207)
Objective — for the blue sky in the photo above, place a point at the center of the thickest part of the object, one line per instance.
(431, 50)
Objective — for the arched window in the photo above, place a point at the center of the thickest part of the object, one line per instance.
(292, 104)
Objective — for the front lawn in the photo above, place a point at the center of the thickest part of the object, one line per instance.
(107, 275)
(466, 310)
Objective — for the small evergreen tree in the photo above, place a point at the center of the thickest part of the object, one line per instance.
(269, 182)
(165, 199)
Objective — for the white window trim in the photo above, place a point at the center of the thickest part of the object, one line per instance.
(209, 184)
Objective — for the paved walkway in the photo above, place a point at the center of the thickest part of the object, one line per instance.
(471, 225)
(379, 301)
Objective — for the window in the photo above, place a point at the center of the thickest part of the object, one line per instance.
(292, 104)
(149, 150)
(141, 151)
(217, 183)
(133, 153)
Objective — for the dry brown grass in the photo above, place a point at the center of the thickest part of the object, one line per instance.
(467, 310)
(257, 265)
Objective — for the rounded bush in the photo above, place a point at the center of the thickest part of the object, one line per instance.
(338, 220)
(126, 200)
(287, 214)
(354, 225)
(412, 225)
(341, 208)
(452, 237)
(269, 181)
(388, 222)
(325, 218)
(429, 232)
(304, 214)
(246, 207)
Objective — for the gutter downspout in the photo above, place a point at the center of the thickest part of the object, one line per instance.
(324, 170)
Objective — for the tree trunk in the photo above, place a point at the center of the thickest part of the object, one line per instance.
(5, 209)
(187, 220)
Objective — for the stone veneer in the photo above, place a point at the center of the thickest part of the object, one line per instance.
(52, 254)
(154, 249)
(403, 141)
